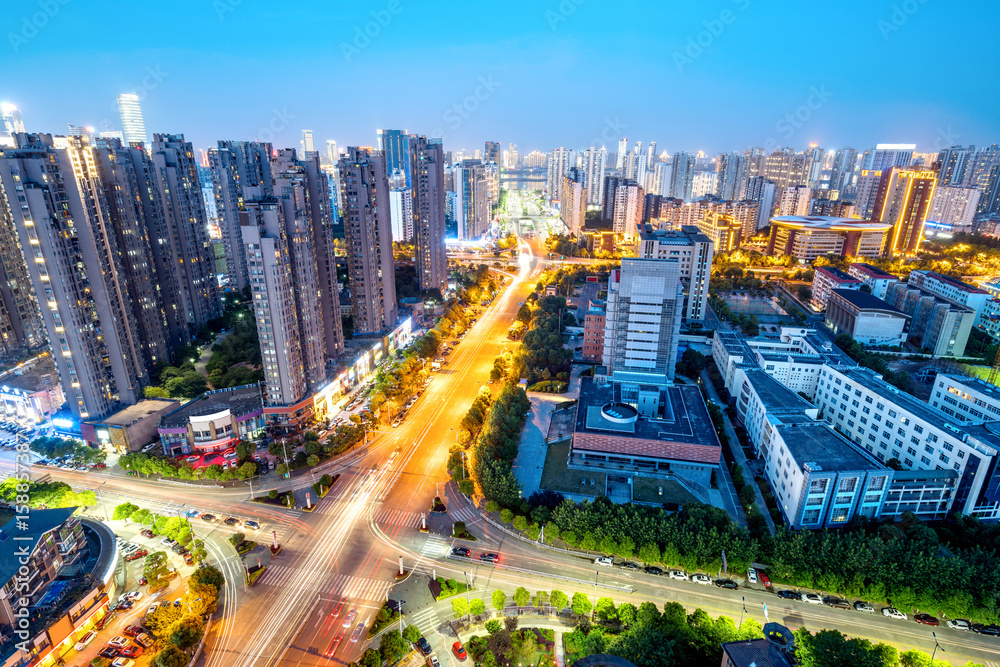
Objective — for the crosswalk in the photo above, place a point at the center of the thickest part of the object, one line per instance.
(426, 619)
(435, 546)
(462, 514)
(387, 515)
(343, 585)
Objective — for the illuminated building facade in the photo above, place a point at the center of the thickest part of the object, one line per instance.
(903, 201)
(809, 237)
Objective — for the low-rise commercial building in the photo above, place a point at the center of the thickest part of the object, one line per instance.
(31, 391)
(869, 320)
(128, 430)
(213, 422)
(876, 279)
(828, 278)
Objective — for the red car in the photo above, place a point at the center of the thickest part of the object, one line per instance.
(146, 532)
(132, 630)
(926, 619)
(99, 466)
(459, 651)
(136, 555)
(131, 652)
(763, 579)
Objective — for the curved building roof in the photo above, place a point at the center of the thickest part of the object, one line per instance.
(822, 223)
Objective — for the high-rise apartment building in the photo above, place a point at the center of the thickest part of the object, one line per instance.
(365, 207)
(816, 157)
(693, 251)
(332, 153)
(682, 176)
(235, 166)
(785, 167)
(10, 123)
(621, 156)
(903, 201)
(866, 191)
(733, 170)
(957, 166)
(429, 212)
(308, 144)
(704, 183)
(954, 207)
(560, 159)
(594, 160)
(794, 200)
(627, 213)
(395, 145)
(55, 200)
(762, 192)
(401, 214)
(491, 152)
(187, 256)
(133, 126)
(844, 173)
(573, 207)
(472, 202)
(642, 326)
(885, 156)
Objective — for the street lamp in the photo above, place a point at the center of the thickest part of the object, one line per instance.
(936, 647)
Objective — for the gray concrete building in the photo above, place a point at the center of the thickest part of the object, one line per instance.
(427, 164)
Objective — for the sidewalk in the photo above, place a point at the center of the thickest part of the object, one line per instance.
(737, 450)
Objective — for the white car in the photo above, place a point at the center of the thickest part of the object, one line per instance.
(85, 640)
(678, 575)
(606, 561)
(959, 624)
(752, 575)
(395, 423)
(812, 598)
(119, 642)
(351, 615)
(892, 612)
(703, 579)
(123, 662)
(135, 595)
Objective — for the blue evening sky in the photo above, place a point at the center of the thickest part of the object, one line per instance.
(708, 75)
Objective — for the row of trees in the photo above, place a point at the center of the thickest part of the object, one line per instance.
(53, 448)
(179, 629)
(44, 495)
(495, 445)
(146, 464)
(542, 355)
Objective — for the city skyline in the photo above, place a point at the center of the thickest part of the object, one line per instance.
(470, 91)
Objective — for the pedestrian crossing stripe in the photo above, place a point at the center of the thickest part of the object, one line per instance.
(353, 588)
(463, 514)
(398, 518)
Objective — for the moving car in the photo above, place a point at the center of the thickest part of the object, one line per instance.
(892, 612)
(85, 640)
(727, 583)
(700, 578)
(678, 575)
(459, 651)
(606, 561)
(812, 598)
(357, 632)
(349, 619)
(864, 607)
(926, 619)
(461, 551)
(490, 558)
(789, 595)
(192, 514)
(251, 524)
(959, 624)
(135, 596)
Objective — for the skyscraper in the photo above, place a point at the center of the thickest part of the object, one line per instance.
(662, 176)
(560, 159)
(332, 155)
(395, 145)
(732, 168)
(76, 272)
(10, 123)
(401, 214)
(133, 127)
(513, 159)
(472, 200)
(643, 320)
(307, 143)
(573, 207)
(762, 192)
(235, 166)
(621, 156)
(816, 155)
(957, 166)
(187, 257)
(429, 215)
(784, 166)
(627, 215)
(682, 176)
(884, 156)
(903, 201)
(492, 152)
(794, 200)
(594, 160)
(866, 190)
(844, 174)
(365, 199)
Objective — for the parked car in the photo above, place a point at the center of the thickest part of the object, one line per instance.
(231, 521)
(727, 583)
(231, 454)
(652, 569)
(678, 575)
(459, 651)
(251, 524)
(789, 595)
(108, 652)
(959, 624)
(424, 645)
(812, 598)
(836, 603)
(764, 580)
(990, 630)
(700, 578)
(892, 612)
(144, 640)
(189, 559)
(864, 607)
(210, 518)
(461, 551)
(136, 555)
(135, 596)
(926, 619)
(132, 630)
(146, 532)
(152, 608)
(119, 642)
(192, 514)
(752, 576)
(131, 651)
(606, 561)
(85, 640)
(629, 565)
(99, 466)
(123, 662)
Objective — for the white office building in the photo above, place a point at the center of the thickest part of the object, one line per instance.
(694, 251)
(133, 126)
(401, 214)
(966, 398)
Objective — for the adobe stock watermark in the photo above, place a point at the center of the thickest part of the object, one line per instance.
(898, 17)
(363, 35)
(33, 23)
(945, 138)
(612, 132)
(223, 7)
(792, 121)
(562, 12)
(714, 28)
(21, 625)
(279, 121)
(461, 111)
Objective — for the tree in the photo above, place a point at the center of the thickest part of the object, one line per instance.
(392, 647)
(581, 604)
(372, 658)
(460, 606)
(559, 600)
(186, 632)
(124, 511)
(627, 614)
(201, 598)
(830, 647)
(411, 634)
(477, 607)
(236, 539)
(499, 600)
(171, 656)
(541, 598)
(522, 596)
(605, 609)
(155, 566)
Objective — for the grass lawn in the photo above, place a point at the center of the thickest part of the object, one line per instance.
(556, 477)
(645, 490)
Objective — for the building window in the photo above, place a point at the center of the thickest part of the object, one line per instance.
(947, 446)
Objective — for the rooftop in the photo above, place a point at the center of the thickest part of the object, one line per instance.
(239, 400)
(755, 653)
(37, 523)
(957, 284)
(866, 301)
(684, 430)
(134, 413)
(775, 396)
(823, 223)
(927, 294)
(980, 385)
(29, 377)
(872, 271)
(686, 235)
(834, 272)
(821, 448)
